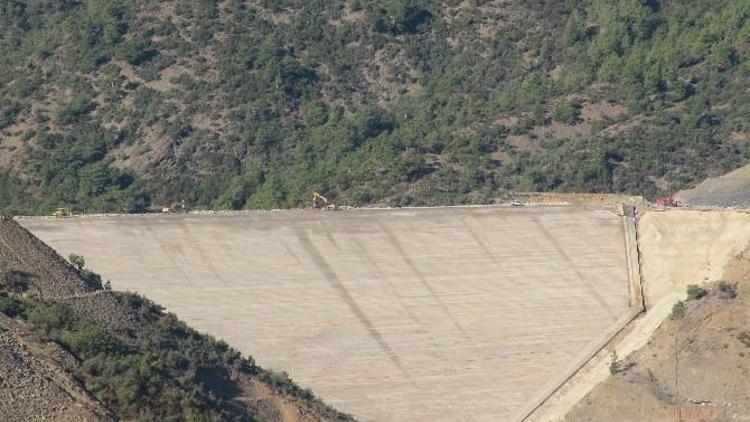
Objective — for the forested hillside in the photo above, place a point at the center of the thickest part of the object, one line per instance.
(122, 105)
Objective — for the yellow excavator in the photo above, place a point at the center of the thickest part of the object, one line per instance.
(62, 212)
(321, 202)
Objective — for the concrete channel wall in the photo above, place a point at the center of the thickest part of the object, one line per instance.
(600, 342)
(677, 247)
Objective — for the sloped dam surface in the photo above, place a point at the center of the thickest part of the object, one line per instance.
(421, 314)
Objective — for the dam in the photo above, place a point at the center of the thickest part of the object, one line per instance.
(423, 314)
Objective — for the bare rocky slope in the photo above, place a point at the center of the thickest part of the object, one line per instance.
(729, 190)
(34, 383)
(70, 350)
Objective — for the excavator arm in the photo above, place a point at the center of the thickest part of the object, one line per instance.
(319, 200)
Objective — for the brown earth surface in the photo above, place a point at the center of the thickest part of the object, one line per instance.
(694, 369)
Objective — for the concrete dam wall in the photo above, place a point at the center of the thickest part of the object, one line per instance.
(458, 313)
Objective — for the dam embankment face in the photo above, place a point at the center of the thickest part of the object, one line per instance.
(458, 313)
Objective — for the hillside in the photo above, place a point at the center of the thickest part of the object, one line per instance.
(71, 350)
(694, 368)
(252, 104)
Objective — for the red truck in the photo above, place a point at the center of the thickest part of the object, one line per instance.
(667, 201)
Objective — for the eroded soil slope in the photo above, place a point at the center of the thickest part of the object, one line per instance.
(694, 368)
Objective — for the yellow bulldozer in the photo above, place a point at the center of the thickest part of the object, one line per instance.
(321, 202)
(61, 212)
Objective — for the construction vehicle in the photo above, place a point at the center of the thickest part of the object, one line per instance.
(61, 212)
(321, 202)
(667, 201)
(174, 208)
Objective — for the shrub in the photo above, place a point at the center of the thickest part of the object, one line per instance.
(727, 291)
(91, 278)
(14, 281)
(50, 318)
(614, 364)
(87, 340)
(8, 115)
(568, 112)
(75, 111)
(77, 261)
(10, 306)
(695, 292)
(282, 382)
(678, 310)
(744, 338)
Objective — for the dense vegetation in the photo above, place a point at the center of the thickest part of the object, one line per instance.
(163, 371)
(231, 104)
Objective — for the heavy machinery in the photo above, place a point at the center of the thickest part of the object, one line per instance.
(176, 207)
(321, 202)
(61, 212)
(667, 201)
